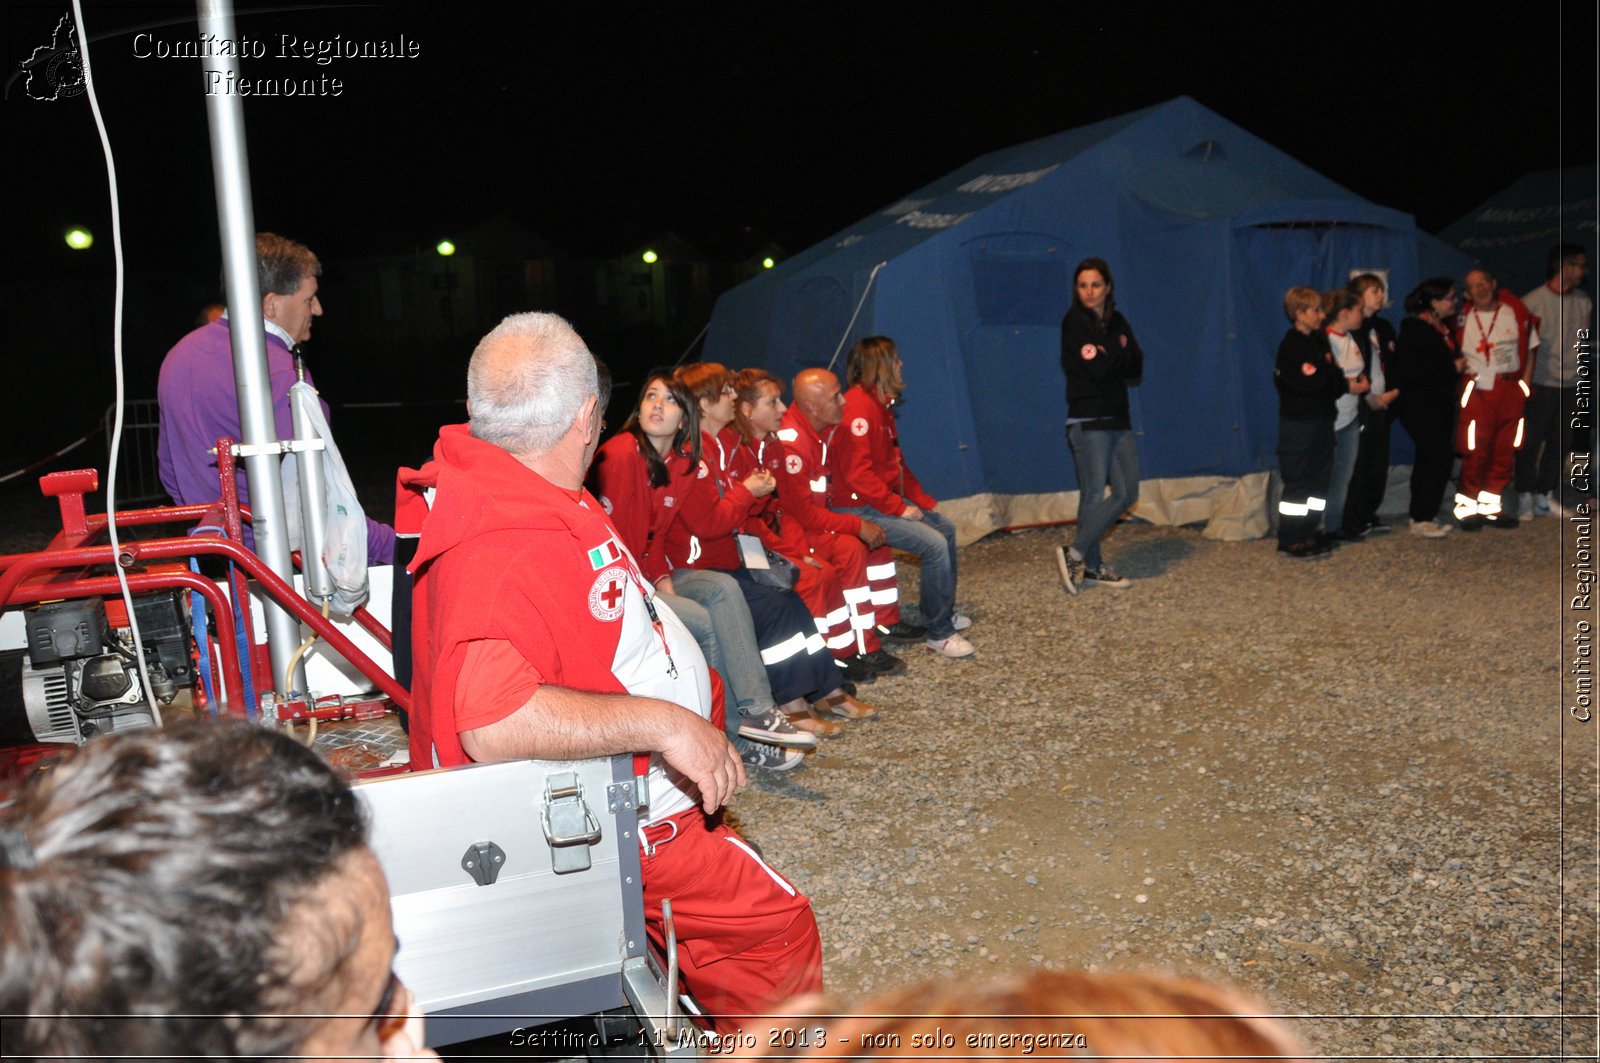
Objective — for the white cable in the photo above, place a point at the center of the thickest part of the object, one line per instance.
(859, 304)
(116, 345)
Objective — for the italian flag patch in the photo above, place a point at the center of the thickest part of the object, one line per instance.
(607, 553)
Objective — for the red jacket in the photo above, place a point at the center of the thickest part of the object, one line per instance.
(1525, 327)
(773, 518)
(869, 467)
(620, 479)
(806, 460)
(712, 506)
(504, 554)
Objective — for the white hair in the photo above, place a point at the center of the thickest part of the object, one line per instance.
(526, 398)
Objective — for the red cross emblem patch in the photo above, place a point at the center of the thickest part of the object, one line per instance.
(1308, 369)
(606, 595)
(1089, 351)
(792, 463)
(858, 427)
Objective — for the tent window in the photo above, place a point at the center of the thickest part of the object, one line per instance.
(1019, 278)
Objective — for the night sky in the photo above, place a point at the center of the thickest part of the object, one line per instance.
(600, 125)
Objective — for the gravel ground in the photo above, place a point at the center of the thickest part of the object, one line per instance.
(1339, 784)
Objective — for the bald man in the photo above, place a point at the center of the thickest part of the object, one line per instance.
(537, 636)
(808, 431)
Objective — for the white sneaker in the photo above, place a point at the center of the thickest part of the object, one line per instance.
(1427, 529)
(1525, 507)
(954, 647)
(959, 622)
(1541, 505)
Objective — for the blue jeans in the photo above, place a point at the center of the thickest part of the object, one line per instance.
(733, 636)
(1346, 444)
(933, 539)
(1102, 457)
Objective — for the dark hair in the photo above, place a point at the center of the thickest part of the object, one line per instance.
(685, 441)
(871, 364)
(282, 264)
(1338, 300)
(1420, 298)
(747, 388)
(165, 875)
(1361, 282)
(1099, 266)
(1559, 255)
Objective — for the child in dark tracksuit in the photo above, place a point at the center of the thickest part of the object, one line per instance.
(1308, 384)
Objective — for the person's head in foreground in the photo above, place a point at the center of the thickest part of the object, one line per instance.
(1040, 1014)
(205, 891)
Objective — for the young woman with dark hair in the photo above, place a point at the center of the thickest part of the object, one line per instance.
(1427, 371)
(1101, 361)
(633, 479)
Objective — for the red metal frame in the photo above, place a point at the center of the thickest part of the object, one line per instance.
(61, 570)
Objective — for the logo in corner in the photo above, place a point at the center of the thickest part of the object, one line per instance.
(792, 463)
(858, 427)
(607, 594)
(55, 71)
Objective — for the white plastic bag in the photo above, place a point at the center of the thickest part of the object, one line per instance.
(345, 551)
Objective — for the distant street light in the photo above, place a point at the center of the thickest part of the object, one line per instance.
(445, 248)
(650, 258)
(80, 239)
(767, 263)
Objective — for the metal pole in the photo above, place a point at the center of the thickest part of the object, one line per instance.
(236, 216)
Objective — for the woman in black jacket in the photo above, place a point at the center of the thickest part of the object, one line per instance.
(1427, 372)
(1101, 360)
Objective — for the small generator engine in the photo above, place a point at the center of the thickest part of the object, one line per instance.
(78, 676)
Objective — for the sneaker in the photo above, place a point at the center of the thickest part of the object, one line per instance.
(901, 631)
(1106, 578)
(1070, 570)
(1473, 522)
(955, 647)
(1375, 527)
(774, 728)
(1541, 505)
(1505, 522)
(1527, 508)
(884, 663)
(959, 622)
(1427, 529)
(761, 755)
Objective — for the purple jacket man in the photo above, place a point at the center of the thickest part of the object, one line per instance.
(198, 395)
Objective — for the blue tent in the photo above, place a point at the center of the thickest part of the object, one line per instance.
(1512, 233)
(1205, 227)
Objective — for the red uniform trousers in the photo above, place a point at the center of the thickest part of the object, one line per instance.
(822, 589)
(1488, 436)
(747, 939)
(849, 556)
(885, 585)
